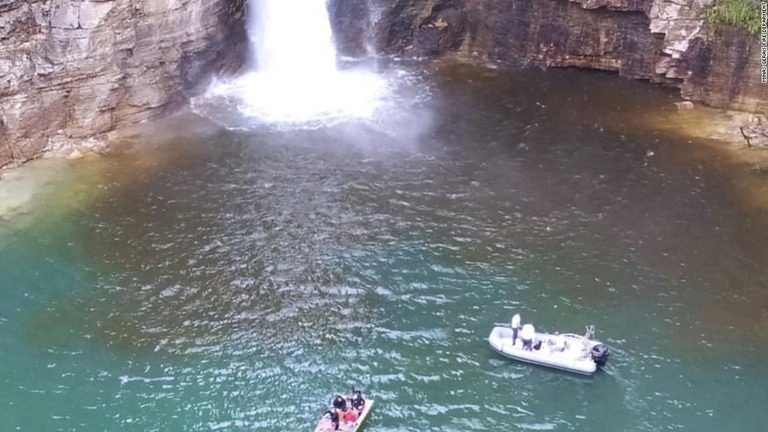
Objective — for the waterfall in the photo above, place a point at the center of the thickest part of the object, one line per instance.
(292, 37)
(294, 79)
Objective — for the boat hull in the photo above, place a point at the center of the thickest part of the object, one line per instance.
(351, 427)
(572, 354)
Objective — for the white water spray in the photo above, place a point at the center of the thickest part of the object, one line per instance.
(296, 80)
(290, 37)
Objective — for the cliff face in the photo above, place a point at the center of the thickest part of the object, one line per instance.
(71, 70)
(665, 41)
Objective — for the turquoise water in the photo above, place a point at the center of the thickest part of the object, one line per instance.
(254, 273)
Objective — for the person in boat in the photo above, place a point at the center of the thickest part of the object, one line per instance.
(340, 403)
(515, 327)
(333, 415)
(527, 335)
(357, 401)
(350, 416)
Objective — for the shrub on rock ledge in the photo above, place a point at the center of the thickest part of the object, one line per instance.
(738, 13)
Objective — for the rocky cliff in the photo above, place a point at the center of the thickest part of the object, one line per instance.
(71, 70)
(665, 41)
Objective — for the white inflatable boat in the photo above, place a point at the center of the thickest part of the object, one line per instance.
(568, 351)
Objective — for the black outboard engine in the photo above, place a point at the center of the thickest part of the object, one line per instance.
(600, 354)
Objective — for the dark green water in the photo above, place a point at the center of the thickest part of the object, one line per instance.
(251, 275)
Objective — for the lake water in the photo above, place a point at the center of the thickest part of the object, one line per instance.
(237, 278)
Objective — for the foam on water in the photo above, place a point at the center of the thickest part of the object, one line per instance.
(307, 101)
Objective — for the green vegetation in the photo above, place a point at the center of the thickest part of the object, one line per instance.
(738, 13)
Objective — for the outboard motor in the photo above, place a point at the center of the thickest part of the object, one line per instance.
(600, 354)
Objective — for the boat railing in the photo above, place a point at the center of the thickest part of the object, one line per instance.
(590, 333)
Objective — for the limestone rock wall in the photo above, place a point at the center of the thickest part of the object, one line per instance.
(71, 70)
(664, 41)
(724, 71)
(353, 21)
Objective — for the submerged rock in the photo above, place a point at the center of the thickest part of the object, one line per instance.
(755, 135)
(76, 154)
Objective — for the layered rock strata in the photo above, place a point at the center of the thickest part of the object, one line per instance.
(72, 70)
(665, 41)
